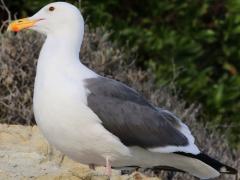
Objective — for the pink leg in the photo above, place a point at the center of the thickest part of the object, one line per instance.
(108, 167)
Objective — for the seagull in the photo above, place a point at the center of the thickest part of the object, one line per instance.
(97, 120)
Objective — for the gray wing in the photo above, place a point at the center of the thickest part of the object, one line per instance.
(127, 115)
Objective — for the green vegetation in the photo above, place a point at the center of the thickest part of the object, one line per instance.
(195, 44)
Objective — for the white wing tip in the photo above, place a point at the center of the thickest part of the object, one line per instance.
(191, 148)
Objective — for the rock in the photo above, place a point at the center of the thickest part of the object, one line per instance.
(25, 154)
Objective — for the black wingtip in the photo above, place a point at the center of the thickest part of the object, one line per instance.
(220, 167)
(227, 170)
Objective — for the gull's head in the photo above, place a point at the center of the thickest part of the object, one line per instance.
(53, 18)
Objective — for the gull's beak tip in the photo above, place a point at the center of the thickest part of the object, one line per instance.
(20, 24)
(12, 27)
(9, 28)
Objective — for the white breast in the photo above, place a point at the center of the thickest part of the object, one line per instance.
(61, 112)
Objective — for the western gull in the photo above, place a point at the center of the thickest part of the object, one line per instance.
(97, 120)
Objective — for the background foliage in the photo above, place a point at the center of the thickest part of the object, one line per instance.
(18, 57)
(192, 44)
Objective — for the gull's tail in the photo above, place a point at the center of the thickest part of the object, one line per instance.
(200, 165)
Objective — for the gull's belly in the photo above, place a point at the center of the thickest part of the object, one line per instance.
(73, 128)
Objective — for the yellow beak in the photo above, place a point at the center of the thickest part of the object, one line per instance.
(21, 24)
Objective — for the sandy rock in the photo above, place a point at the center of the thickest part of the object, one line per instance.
(25, 154)
(38, 142)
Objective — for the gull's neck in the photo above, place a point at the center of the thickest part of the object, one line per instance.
(64, 42)
(60, 53)
(68, 38)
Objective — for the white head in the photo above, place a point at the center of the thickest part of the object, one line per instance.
(60, 21)
(54, 18)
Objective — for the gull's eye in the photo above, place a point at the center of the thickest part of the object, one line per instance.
(51, 8)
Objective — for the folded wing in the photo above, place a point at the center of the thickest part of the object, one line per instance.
(132, 119)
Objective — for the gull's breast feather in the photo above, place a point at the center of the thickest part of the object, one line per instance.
(69, 124)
